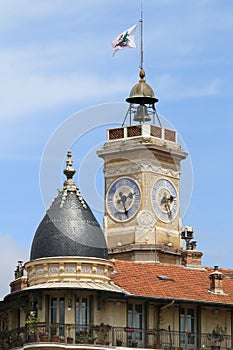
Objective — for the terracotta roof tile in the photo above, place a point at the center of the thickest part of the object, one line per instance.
(142, 279)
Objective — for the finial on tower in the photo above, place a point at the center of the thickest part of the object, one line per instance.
(69, 172)
(142, 74)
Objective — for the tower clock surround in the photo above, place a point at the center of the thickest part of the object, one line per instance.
(123, 199)
(150, 156)
(165, 200)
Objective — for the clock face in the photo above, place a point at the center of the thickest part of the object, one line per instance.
(123, 199)
(165, 201)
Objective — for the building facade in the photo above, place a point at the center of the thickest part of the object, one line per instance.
(131, 284)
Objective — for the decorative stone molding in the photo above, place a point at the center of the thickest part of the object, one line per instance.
(138, 167)
(68, 269)
(146, 219)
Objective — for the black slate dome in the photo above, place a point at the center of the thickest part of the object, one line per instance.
(69, 227)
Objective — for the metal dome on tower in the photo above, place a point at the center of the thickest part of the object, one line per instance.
(142, 100)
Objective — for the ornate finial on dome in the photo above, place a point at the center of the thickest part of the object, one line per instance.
(69, 172)
(142, 74)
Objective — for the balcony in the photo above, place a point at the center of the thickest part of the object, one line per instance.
(57, 336)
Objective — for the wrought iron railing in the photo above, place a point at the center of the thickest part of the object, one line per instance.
(109, 336)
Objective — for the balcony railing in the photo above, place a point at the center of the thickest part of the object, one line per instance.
(106, 335)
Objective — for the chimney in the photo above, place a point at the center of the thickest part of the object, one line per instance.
(19, 269)
(20, 281)
(191, 257)
(216, 281)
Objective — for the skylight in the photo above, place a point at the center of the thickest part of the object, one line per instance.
(165, 278)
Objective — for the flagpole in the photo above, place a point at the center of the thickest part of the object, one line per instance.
(141, 39)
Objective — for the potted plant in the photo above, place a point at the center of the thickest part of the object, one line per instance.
(82, 338)
(54, 336)
(129, 329)
(31, 325)
(43, 337)
(70, 340)
(62, 339)
(43, 332)
(90, 339)
(119, 342)
(216, 337)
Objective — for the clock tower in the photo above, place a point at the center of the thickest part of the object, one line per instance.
(142, 166)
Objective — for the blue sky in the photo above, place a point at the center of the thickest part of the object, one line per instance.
(56, 62)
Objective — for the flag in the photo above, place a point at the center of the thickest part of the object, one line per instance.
(125, 39)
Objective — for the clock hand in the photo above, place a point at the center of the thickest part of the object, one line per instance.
(130, 195)
(123, 199)
(168, 208)
(171, 199)
(166, 201)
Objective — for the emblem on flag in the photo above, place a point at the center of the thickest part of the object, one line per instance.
(125, 39)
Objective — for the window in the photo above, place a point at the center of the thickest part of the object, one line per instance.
(57, 315)
(61, 316)
(81, 315)
(135, 320)
(53, 317)
(187, 326)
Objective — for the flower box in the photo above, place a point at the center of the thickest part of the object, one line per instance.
(129, 329)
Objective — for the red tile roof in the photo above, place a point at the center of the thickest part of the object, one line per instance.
(141, 279)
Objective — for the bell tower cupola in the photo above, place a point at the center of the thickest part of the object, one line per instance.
(142, 100)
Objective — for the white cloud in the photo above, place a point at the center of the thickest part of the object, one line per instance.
(11, 252)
